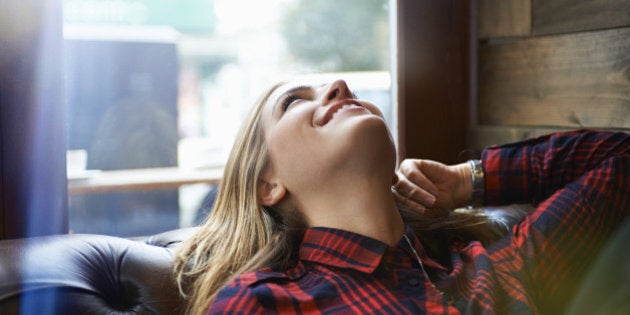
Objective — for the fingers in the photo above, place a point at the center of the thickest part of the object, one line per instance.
(415, 191)
(412, 188)
(416, 186)
(406, 202)
(416, 172)
(425, 209)
(414, 194)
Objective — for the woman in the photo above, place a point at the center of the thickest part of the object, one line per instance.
(306, 219)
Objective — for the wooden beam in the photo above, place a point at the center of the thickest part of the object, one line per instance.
(576, 80)
(433, 77)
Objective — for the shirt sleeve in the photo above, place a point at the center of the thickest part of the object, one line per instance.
(579, 183)
(530, 171)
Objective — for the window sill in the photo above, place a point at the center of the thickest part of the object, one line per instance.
(140, 179)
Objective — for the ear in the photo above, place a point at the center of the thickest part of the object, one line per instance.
(270, 192)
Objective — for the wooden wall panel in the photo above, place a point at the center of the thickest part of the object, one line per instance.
(576, 80)
(480, 136)
(503, 18)
(563, 16)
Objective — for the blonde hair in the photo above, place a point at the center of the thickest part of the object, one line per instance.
(237, 229)
(240, 235)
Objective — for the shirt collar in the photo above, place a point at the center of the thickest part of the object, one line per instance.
(346, 249)
(419, 249)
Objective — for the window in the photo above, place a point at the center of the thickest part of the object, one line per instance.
(157, 89)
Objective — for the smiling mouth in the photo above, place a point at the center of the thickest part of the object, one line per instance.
(339, 107)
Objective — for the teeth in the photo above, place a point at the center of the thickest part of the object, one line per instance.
(344, 106)
(338, 109)
(341, 107)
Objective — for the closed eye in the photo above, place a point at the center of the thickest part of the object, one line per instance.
(289, 100)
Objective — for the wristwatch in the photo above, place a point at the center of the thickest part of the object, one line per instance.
(478, 183)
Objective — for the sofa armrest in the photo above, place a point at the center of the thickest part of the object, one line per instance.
(89, 274)
(169, 239)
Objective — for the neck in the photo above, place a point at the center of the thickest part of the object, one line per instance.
(363, 206)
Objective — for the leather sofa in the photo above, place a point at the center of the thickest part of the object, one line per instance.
(90, 274)
(98, 274)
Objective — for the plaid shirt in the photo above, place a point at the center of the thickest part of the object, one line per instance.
(579, 183)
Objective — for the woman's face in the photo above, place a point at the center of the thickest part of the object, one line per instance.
(316, 132)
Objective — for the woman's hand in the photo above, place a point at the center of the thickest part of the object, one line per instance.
(431, 187)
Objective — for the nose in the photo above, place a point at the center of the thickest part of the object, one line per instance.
(337, 90)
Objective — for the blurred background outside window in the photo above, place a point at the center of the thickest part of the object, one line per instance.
(155, 84)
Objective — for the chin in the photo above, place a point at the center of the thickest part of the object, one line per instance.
(370, 140)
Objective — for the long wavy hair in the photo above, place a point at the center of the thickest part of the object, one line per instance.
(241, 235)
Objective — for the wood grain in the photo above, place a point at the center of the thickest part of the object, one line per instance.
(481, 136)
(576, 80)
(564, 16)
(504, 18)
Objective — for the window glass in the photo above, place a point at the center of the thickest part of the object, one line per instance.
(157, 89)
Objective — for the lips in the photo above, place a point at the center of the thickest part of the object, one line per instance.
(336, 107)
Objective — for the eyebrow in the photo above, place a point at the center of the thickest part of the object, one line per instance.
(296, 89)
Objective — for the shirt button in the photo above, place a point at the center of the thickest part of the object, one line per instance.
(413, 282)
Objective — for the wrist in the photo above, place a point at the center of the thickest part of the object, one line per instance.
(463, 190)
(477, 184)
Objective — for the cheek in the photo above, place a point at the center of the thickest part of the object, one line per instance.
(290, 148)
(296, 155)
(292, 135)
(294, 162)
(287, 143)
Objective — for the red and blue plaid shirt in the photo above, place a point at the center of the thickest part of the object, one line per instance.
(579, 183)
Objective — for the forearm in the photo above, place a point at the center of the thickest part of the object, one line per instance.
(532, 170)
(579, 183)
